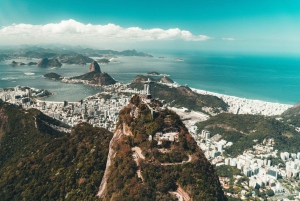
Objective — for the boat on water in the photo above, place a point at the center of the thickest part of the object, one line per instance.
(29, 73)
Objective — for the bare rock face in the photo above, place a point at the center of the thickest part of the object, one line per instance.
(94, 67)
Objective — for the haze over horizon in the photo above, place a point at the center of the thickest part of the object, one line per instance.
(237, 26)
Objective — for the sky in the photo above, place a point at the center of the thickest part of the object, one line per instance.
(268, 26)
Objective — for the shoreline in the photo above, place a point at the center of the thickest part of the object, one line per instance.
(239, 105)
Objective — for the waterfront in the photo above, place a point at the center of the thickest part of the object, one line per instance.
(267, 78)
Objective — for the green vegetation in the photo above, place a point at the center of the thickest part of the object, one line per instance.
(96, 78)
(243, 129)
(53, 76)
(292, 115)
(40, 163)
(197, 178)
(227, 171)
(183, 97)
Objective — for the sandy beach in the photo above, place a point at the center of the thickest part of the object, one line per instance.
(248, 106)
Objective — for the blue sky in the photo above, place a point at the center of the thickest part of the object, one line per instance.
(231, 25)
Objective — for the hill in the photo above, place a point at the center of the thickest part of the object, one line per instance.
(243, 129)
(40, 163)
(53, 76)
(143, 169)
(182, 96)
(13, 63)
(75, 59)
(96, 78)
(292, 115)
(45, 62)
(165, 79)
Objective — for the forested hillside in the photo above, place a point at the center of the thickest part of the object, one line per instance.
(40, 163)
(173, 166)
(243, 129)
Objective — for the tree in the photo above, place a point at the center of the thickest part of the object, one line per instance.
(270, 192)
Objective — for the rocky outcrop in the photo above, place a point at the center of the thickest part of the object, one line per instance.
(103, 61)
(96, 78)
(49, 63)
(32, 63)
(13, 63)
(141, 78)
(165, 79)
(53, 76)
(94, 67)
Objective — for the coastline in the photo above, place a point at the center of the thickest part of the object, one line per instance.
(236, 104)
(239, 105)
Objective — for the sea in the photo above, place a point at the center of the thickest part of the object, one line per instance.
(272, 78)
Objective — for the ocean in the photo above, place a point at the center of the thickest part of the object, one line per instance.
(261, 77)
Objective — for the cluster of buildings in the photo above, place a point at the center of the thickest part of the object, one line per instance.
(170, 134)
(254, 163)
(95, 110)
(21, 95)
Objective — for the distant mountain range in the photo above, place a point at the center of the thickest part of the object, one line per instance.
(62, 51)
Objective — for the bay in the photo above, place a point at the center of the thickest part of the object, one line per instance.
(263, 77)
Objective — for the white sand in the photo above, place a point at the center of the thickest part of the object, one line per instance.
(248, 106)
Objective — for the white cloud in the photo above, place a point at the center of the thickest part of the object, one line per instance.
(228, 39)
(72, 31)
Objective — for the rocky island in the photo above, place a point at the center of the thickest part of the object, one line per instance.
(53, 76)
(13, 63)
(103, 61)
(49, 63)
(95, 76)
(31, 63)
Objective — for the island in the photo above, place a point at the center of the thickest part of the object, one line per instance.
(31, 63)
(13, 63)
(45, 62)
(53, 76)
(103, 61)
(94, 77)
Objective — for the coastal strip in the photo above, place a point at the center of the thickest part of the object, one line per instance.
(248, 106)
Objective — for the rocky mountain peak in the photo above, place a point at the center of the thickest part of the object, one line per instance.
(94, 67)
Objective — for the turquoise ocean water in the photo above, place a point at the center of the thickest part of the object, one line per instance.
(268, 78)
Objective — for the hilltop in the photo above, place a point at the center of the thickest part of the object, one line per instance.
(75, 59)
(181, 96)
(243, 130)
(95, 77)
(41, 163)
(292, 115)
(53, 76)
(45, 62)
(145, 165)
(68, 54)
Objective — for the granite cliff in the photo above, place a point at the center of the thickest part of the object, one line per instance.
(94, 67)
